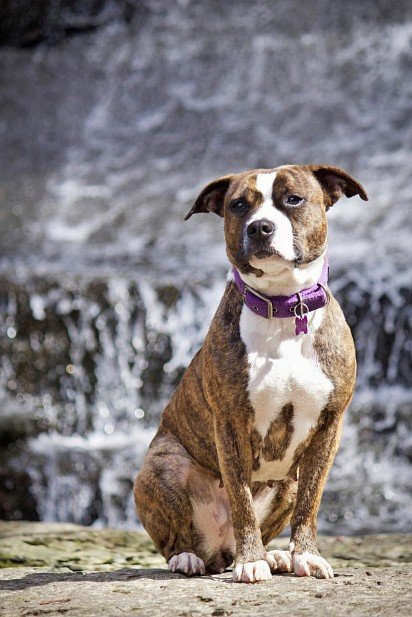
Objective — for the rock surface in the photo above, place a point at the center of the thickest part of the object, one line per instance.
(55, 569)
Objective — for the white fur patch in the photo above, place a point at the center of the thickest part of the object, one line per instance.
(279, 561)
(186, 563)
(307, 564)
(252, 572)
(264, 184)
(283, 369)
(282, 240)
(262, 503)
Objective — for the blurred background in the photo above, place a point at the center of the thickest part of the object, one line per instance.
(113, 115)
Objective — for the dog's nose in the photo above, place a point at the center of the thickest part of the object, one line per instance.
(261, 230)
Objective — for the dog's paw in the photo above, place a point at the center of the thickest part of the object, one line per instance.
(308, 564)
(186, 563)
(279, 561)
(252, 572)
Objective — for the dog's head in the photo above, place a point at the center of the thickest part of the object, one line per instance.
(276, 217)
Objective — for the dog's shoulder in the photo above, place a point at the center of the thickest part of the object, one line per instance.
(224, 358)
(224, 332)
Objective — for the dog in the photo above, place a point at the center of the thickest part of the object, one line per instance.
(247, 440)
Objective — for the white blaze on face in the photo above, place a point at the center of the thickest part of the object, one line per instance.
(282, 240)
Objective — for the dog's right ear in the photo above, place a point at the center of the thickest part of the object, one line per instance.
(212, 198)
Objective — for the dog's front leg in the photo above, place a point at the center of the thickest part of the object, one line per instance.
(235, 462)
(313, 472)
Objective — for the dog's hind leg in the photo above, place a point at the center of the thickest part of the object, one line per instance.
(164, 507)
(183, 510)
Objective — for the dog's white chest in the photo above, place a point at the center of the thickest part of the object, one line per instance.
(283, 370)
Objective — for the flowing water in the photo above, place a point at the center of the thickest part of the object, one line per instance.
(106, 293)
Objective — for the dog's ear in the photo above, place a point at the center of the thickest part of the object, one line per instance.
(336, 182)
(212, 197)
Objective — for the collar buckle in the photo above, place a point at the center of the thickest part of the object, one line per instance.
(271, 310)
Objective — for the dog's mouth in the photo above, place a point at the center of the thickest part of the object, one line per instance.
(262, 253)
(262, 259)
(265, 252)
(269, 260)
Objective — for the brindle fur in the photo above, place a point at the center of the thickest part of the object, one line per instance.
(206, 432)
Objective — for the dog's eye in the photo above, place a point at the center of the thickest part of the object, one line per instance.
(294, 200)
(238, 205)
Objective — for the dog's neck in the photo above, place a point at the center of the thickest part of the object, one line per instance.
(284, 280)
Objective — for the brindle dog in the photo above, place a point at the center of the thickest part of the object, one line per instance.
(246, 443)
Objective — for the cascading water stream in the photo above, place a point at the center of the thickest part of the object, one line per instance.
(106, 294)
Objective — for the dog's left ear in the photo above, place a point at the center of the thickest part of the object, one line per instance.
(212, 197)
(336, 182)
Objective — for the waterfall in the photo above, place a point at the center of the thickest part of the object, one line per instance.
(107, 294)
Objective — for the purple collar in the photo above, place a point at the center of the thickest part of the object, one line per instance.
(296, 306)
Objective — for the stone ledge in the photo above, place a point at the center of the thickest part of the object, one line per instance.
(53, 569)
